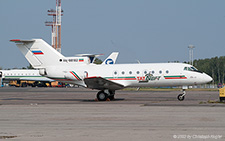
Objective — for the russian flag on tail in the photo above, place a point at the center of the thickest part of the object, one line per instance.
(37, 52)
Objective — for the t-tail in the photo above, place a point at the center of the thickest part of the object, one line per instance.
(111, 59)
(39, 53)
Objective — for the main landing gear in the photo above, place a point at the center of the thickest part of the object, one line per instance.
(105, 94)
(181, 97)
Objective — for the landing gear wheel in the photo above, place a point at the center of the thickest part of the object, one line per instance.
(101, 96)
(180, 97)
(111, 97)
(24, 85)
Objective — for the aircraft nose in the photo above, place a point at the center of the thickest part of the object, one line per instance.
(207, 78)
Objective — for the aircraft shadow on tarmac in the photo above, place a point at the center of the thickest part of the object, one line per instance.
(25, 99)
(94, 100)
(79, 100)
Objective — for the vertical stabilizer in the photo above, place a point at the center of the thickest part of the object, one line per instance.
(39, 53)
(111, 59)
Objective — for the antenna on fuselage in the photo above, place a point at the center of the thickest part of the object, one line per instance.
(138, 61)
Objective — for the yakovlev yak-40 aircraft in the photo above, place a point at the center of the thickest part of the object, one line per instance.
(107, 78)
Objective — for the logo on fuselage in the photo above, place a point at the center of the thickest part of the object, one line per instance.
(148, 77)
(109, 61)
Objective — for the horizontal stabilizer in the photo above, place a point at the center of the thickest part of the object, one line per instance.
(89, 55)
(22, 41)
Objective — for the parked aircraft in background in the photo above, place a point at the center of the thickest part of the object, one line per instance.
(25, 75)
(1, 79)
(107, 78)
(111, 59)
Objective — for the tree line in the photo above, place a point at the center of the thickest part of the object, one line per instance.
(215, 67)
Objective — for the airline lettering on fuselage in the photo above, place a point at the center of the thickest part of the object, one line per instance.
(148, 77)
(72, 60)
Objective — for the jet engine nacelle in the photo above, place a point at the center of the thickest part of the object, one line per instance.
(42, 72)
(75, 75)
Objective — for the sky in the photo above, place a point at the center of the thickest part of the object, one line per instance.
(151, 31)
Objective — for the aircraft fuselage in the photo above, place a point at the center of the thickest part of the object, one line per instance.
(132, 75)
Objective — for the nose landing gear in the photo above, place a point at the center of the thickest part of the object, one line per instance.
(181, 97)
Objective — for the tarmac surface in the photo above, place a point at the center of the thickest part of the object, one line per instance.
(74, 114)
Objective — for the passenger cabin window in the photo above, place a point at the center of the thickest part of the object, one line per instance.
(167, 71)
(160, 72)
(123, 72)
(130, 72)
(138, 72)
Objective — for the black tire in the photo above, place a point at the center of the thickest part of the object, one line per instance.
(101, 96)
(24, 85)
(40, 85)
(180, 97)
(111, 97)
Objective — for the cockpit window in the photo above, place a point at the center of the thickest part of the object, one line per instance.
(192, 69)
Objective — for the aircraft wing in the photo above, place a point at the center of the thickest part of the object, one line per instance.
(101, 83)
(37, 79)
(22, 41)
(29, 78)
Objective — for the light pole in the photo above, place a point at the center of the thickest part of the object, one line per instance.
(191, 54)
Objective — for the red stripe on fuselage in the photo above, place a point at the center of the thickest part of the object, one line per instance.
(175, 77)
(122, 79)
(74, 75)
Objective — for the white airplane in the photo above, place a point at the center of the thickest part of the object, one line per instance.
(108, 78)
(23, 74)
